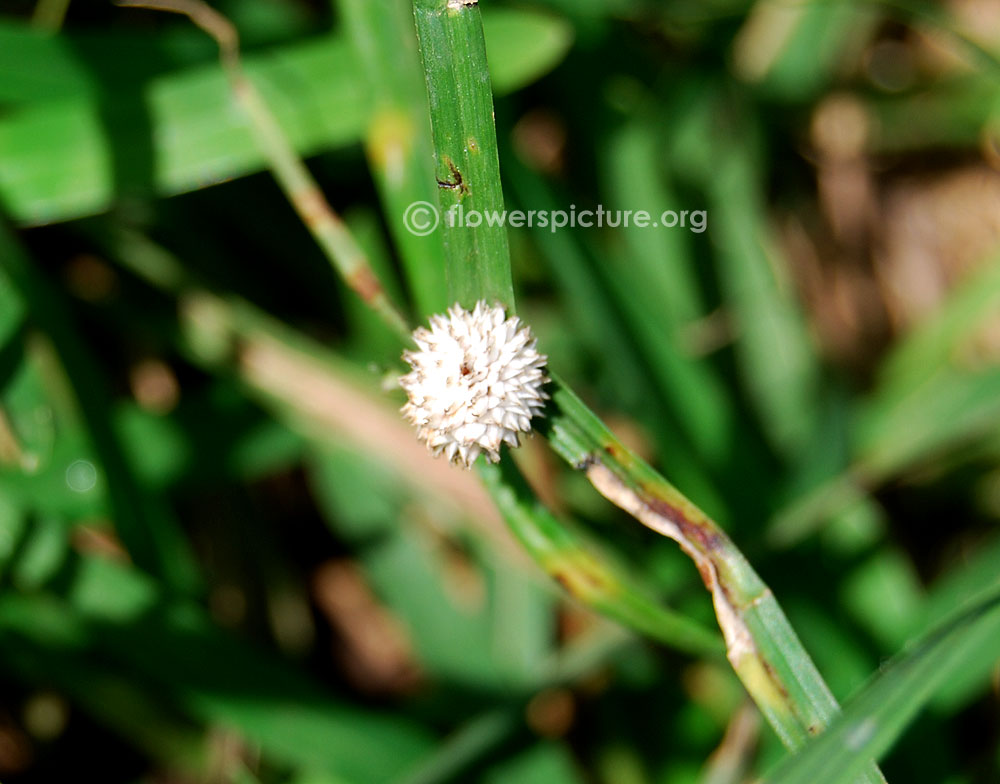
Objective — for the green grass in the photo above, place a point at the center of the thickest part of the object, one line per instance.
(223, 554)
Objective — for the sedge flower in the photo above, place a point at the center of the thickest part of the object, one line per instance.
(476, 382)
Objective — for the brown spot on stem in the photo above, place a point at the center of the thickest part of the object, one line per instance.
(615, 451)
(312, 206)
(708, 541)
(455, 182)
(363, 281)
(698, 541)
(706, 573)
(779, 686)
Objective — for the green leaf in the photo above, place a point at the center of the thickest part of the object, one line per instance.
(878, 715)
(115, 614)
(37, 66)
(794, 50)
(654, 281)
(952, 113)
(409, 571)
(938, 388)
(146, 527)
(777, 358)
(543, 763)
(11, 311)
(540, 39)
(63, 156)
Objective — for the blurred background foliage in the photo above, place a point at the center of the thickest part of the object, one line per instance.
(223, 558)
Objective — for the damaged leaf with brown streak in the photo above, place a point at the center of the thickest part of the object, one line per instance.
(583, 572)
(760, 643)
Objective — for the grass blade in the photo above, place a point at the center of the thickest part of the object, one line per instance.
(465, 146)
(879, 714)
(578, 570)
(59, 156)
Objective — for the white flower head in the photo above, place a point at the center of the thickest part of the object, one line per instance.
(476, 382)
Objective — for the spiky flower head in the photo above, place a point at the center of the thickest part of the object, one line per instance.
(476, 382)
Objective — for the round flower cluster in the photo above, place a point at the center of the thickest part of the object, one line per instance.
(476, 382)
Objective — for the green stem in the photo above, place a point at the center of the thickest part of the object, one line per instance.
(582, 573)
(453, 49)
